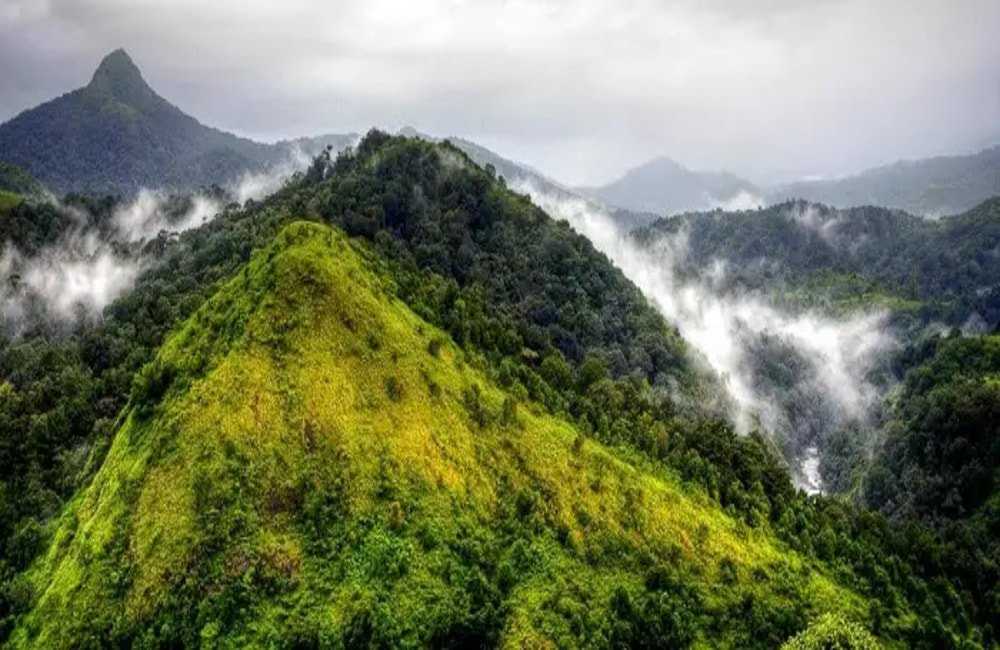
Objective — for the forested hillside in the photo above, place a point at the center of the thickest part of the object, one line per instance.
(239, 504)
(116, 135)
(467, 405)
(816, 253)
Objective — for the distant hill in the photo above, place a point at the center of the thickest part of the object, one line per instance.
(929, 187)
(117, 135)
(664, 186)
(817, 251)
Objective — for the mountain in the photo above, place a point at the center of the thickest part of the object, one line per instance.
(930, 187)
(307, 462)
(663, 186)
(818, 251)
(431, 416)
(117, 135)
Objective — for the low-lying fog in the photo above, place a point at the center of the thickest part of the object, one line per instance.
(799, 376)
(86, 269)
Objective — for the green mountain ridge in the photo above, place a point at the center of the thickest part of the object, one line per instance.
(845, 254)
(308, 462)
(464, 427)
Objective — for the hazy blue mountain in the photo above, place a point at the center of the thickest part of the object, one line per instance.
(664, 186)
(116, 135)
(930, 187)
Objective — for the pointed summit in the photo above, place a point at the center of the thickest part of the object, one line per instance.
(119, 76)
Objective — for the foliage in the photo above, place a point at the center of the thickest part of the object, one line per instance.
(240, 505)
(944, 269)
(475, 348)
(17, 181)
(832, 632)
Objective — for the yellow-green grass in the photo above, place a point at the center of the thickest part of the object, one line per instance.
(9, 200)
(306, 437)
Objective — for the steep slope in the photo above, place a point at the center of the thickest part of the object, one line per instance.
(308, 463)
(930, 187)
(117, 135)
(533, 308)
(665, 187)
(940, 453)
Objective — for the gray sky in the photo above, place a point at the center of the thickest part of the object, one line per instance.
(581, 90)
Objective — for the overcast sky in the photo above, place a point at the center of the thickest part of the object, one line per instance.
(581, 90)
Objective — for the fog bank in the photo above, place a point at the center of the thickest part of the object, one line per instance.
(796, 375)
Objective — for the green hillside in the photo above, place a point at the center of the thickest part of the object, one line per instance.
(819, 255)
(15, 180)
(303, 458)
(306, 462)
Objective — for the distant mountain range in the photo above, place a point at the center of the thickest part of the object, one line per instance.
(663, 186)
(117, 135)
(930, 187)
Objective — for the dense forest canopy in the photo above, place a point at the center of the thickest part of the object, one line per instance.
(463, 303)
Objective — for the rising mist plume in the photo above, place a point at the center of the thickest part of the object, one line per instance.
(86, 269)
(740, 335)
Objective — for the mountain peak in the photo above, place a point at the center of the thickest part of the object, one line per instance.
(660, 164)
(118, 75)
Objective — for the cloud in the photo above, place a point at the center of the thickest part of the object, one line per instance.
(580, 90)
(85, 269)
(748, 342)
(742, 200)
(80, 272)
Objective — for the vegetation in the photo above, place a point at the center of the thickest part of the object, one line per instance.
(933, 186)
(949, 264)
(461, 427)
(268, 485)
(17, 181)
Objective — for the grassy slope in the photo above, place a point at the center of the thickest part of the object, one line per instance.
(299, 464)
(9, 201)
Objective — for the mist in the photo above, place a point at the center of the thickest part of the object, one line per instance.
(88, 268)
(797, 375)
(742, 200)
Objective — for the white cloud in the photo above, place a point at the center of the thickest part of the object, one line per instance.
(753, 86)
(723, 328)
(742, 200)
(86, 270)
